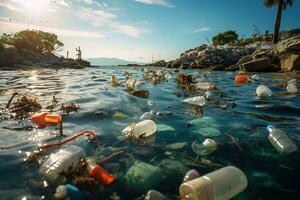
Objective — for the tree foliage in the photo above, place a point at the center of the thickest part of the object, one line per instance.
(225, 37)
(271, 3)
(33, 40)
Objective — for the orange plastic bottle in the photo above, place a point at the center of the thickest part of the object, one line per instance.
(241, 79)
(44, 118)
(98, 173)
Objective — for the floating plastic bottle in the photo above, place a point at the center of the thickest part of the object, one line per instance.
(190, 175)
(147, 115)
(68, 191)
(241, 79)
(142, 129)
(199, 101)
(263, 91)
(280, 141)
(292, 88)
(44, 118)
(210, 143)
(222, 184)
(155, 195)
(98, 173)
(255, 77)
(203, 85)
(61, 161)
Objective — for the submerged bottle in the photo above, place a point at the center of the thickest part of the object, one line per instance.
(98, 173)
(222, 184)
(60, 161)
(280, 141)
(142, 129)
(199, 101)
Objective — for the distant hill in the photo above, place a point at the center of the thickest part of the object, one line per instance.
(110, 61)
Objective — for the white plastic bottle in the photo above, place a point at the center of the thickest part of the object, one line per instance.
(60, 161)
(291, 88)
(280, 141)
(263, 91)
(198, 100)
(142, 129)
(222, 184)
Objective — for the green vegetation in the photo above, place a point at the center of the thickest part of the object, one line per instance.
(33, 40)
(281, 5)
(225, 37)
(252, 39)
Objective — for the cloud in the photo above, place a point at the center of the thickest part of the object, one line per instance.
(90, 2)
(9, 27)
(63, 3)
(129, 30)
(95, 17)
(164, 3)
(204, 29)
(10, 7)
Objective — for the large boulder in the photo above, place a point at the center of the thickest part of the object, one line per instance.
(291, 45)
(259, 65)
(290, 62)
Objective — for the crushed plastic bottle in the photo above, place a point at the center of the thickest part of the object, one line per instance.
(147, 115)
(155, 195)
(222, 184)
(142, 129)
(255, 77)
(280, 141)
(60, 161)
(263, 91)
(199, 101)
(68, 191)
(190, 175)
(292, 88)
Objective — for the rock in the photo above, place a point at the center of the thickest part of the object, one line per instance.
(290, 62)
(289, 45)
(259, 65)
(232, 68)
(245, 59)
(176, 64)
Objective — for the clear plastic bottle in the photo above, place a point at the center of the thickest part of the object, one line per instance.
(199, 101)
(222, 184)
(142, 129)
(280, 141)
(203, 85)
(61, 161)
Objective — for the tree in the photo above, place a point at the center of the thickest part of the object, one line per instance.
(225, 37)
(36, 41)
(281, 5)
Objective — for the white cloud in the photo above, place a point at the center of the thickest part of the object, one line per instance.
(90, 2)
(129, 30)
(10, 7)
(204, 29)
(95, 17)
(9, 27)
(156, 2)
(63, 3)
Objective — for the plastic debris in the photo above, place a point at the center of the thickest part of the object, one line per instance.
(44, 118)
(176, 146)
(147, 115)
(168, 76)
(242, 79)
(163, 113)
(143, 176)
(222, 184)
(68, 191)
(190, 175)
(130, 83)
(292, 88)
(60, 161)
(263, 91)
(208, 95)
(255, 77)
(98, 173)
(280, 141)
(119, 115)
(210, 143)
(198, 100)
(203, 85)
(151, 103)
(155, 195)
(205, 126)
(292, 81)
(142, 129)
(114, 81)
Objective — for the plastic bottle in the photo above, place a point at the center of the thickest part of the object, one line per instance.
(98, 173)
(44, 118)
(209, 143)
(61, 161)
(155, 195)
(292, 88)
(203, 85)
(142, 129)
(263, 91)
(147, 115)
(199, 101)
(280, 141)
(222, 184)
(190, 175)
(114, 81)
(70, 191)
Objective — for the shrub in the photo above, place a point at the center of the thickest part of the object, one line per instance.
(225, 37)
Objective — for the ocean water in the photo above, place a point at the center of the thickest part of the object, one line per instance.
(270, 175)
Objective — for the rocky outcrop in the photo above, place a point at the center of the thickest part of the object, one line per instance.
(11, 58)
(260, 65)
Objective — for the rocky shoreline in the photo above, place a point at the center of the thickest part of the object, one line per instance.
(12, 59)
(256, 57)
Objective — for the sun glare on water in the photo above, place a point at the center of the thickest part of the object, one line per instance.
(34, 7)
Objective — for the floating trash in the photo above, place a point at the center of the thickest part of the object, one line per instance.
(263, 91)
(205, 127)
(147, 115)
(255, 77)
(292, 88)
(242, 79)
(155, 195)
(209, 143)
(68, 191)
(114, 81)
(199, 101)
(119, 115)
(142, 129)
(190, 175)
(208, 95)
(98, 173)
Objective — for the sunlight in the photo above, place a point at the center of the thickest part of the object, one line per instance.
(34, 7)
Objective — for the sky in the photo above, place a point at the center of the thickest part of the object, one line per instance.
(135, 30)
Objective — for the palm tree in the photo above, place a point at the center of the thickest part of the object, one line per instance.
(281, 5)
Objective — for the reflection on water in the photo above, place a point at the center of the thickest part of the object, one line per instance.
(270, 176)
